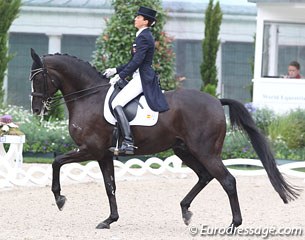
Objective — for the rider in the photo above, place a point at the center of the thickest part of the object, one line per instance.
(144, 78)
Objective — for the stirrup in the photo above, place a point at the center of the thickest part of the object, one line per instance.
(127, 148)
(115, 150)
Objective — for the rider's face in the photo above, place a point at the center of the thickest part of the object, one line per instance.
(140, 22)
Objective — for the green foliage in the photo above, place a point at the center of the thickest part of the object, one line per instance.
(113, 46)
(210, 89)
(58, 112)
(286, 134)
(210, 45)
(282, 151)
(237, 145)
(263, 119)
(9, 10)
(165, 154)
(45, 137)
(289, 128)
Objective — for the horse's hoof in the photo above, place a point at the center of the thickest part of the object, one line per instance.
(187, 217)
(60, 202)
(103, 225)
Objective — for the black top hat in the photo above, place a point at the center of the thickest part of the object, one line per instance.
(147, 13)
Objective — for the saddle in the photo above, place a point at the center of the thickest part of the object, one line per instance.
(130, 109)
(137, 110)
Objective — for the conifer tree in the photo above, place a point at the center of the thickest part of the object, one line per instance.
(210, 45)
(114, 45)
(9, 10)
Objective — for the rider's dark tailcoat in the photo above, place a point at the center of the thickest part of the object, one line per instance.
(142, 56)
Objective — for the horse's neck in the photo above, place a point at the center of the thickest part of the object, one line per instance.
(78, 82)
(73, 74)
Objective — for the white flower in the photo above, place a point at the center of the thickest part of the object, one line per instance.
(12, 125)
(5, 128)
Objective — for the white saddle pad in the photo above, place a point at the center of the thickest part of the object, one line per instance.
(144, 117)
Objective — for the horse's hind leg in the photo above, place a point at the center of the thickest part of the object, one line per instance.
(217, 169)
(72, 156)
(204, 178)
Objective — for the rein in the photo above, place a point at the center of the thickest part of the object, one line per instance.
(50, 102)
(54, 99)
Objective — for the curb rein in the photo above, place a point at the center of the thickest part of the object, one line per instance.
(50, 102)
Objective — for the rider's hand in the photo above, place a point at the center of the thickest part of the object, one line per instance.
(114, 79)
(109, 72)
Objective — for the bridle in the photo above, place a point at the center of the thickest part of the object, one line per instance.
(48, 100)
(45, 96)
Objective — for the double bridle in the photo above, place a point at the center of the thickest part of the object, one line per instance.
(49, 101)
(46, 97)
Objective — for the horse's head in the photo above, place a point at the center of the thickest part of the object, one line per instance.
(43, 86)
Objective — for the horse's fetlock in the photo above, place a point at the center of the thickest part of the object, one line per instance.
(115, 217)
(184, 205)
(237, 222)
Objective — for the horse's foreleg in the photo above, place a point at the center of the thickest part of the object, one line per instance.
(107, 169)
(72, 156)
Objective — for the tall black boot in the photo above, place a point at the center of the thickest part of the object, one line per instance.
(127, 144)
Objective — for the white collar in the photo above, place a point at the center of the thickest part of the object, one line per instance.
(140, 30)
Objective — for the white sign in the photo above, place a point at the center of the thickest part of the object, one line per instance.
(279, 94)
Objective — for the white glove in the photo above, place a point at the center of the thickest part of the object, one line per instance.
(114, 79)
(109, 72)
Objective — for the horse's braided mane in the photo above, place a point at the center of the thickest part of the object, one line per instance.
(77, 59)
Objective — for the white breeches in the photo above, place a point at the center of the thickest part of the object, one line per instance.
(129, 92)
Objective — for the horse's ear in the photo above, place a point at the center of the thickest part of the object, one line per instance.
(36, 58)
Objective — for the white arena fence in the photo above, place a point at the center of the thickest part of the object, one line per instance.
(41, 174)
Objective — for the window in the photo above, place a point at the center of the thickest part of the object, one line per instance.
(188, 60)
(282, 43)
(19, 86)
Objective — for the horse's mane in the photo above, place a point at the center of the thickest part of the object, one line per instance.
(85, 64)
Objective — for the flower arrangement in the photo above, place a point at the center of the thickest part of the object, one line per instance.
(7, 127)
(41, 137)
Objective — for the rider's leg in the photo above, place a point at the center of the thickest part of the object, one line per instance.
(127, 144)
(129, 92)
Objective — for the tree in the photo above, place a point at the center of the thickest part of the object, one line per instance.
(9, 10)
(113, 46)
(210, 45)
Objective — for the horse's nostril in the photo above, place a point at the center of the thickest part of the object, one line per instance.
(36, 111)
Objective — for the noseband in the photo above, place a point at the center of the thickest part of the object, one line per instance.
(45, 95)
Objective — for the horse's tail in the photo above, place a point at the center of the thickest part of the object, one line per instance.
(241, 118)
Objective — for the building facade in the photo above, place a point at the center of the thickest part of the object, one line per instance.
(280, 40)
(72, 27)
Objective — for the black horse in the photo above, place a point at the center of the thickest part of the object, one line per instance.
(194, 127)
